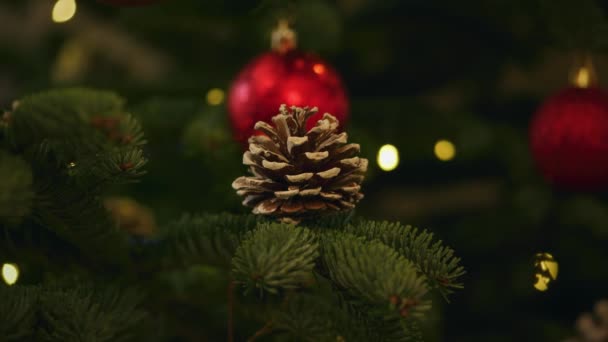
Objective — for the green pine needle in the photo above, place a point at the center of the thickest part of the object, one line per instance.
(431, 258)
(16, 192)
(17, 312)
(83, 312)
(372, 273)
(275, 257)
(210, 239)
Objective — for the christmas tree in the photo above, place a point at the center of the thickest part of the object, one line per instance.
(484, 122)
(321, 279)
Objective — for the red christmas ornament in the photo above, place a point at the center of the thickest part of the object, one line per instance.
(284, 76)
(128, 3)
(569, 139)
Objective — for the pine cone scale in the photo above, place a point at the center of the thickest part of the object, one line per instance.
(295, 145)
(299, 178)
(282, 127)
(286, 194)
(265, 143)
(311, 192)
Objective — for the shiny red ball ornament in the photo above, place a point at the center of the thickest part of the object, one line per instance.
(291, 77)
(569, 139)
(128, 3)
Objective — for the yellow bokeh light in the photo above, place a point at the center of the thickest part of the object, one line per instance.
(215, 96)
(445, 150)
(71, 62)
(547, 269)
(388, 157)
(10, 273)
(583, 77)
(64, 10)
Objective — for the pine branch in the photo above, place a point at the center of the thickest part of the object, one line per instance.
(394, 330)
(78, 216)
(83, 312)
(68, 311)
(320, 316)
(374, 275)
(335, 221)
(62, 115)
(15, 189)
(38, 246)
(306, 318)
(62, 214)
(81, 219)
(74, 143)
(275, 257)
(208, 239)
(431, 258)
(78, 142)
(17, 312)
(316, 316)
(73, 125)
(118, 166)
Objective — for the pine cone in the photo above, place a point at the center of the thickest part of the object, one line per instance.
(299, 173)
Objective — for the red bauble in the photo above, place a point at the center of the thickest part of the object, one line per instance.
(569, 139)
(128, 3)
(294, 78)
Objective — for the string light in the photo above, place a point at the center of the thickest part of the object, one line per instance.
(64, 10)
(445, 150)
(10, 273)
(583, 73)
(388, 157)
(546, 271)
(215, 96)
(583, 77)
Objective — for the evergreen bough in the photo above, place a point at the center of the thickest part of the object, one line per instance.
(334, 279)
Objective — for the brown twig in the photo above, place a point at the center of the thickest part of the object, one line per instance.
(266, 329)
(231, 286)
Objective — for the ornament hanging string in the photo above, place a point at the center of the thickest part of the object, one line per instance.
(283, 38)
(583, 74)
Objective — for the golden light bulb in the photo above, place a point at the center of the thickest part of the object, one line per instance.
(388, 157)
(10, 273)
(445, 150)
(215, 96)
(547, 269)
(583, 74)
(583, 78)
(64, 10)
